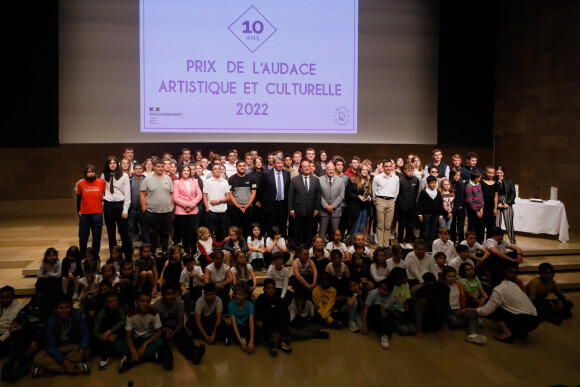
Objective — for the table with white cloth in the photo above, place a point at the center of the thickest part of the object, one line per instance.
(548, 217)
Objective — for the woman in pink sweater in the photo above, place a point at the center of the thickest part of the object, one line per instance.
(186, 195)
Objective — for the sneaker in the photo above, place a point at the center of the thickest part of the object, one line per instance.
(198, 353)
(353, 327)
(75, 296)
(476, 339)
(105, 362)
(83, 367)
(125, 364)
(284, 345)
(39, 371)
(385, 342)
(321, 335)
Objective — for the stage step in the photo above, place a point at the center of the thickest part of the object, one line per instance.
(549, 252)
(560, 262)
(565, 280)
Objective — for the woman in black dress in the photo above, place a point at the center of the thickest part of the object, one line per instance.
(489, 190)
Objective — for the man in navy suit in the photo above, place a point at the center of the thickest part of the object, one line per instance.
(273, 196)
(304, 203)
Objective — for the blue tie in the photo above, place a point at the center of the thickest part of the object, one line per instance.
(306, 183)
(279, 188)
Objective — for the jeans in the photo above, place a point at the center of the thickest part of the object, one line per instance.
(353, 313)
(90, 223)
(446, 223)
(359, 223)
(136, 219)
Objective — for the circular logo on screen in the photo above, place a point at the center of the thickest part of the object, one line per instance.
(341, 115)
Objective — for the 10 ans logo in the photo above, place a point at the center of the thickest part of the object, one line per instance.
(252, 29)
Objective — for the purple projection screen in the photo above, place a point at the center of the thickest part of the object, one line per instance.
(248, 67)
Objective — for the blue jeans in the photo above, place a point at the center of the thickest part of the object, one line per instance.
(358, 225)
(353, 314)
(446, 222)
(90, 223)
(136, 221)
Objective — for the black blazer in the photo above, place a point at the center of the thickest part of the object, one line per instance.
(267, 188)
(510, 191)
(304, 204)
(354, 204)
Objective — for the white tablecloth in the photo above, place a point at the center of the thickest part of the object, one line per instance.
(541, 218)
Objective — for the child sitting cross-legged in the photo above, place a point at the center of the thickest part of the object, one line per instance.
(271, 315)
(143, 331)
(190, 281)
(304, 273)
(281, 277)
(171, 312)
(539, 290)
(403, 323)
(303, 324)
(64, 351)
(475, 294)
(458, 315)
(241, 312)
(324, 298)
(109, 327)
(376, 312)
(207, 323)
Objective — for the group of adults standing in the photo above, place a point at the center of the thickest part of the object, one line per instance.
(294, 194)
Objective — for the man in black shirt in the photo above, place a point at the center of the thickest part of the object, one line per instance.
(243, 189)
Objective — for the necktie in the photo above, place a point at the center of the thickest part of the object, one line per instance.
(279, 188)
(306, 183)
(330, 181)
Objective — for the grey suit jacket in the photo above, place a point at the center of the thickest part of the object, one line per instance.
(331, 195)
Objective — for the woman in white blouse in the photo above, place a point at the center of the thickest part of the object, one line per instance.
(116, 205)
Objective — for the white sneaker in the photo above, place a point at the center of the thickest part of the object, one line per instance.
(353, 327)
(385, 342)
(476, 339)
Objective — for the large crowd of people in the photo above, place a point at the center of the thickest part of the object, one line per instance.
(195, 229)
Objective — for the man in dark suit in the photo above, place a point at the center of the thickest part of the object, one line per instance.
(273, 196)
(304, 203)
(332, 194)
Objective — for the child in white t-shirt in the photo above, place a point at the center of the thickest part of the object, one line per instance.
(443, 244)
(190, 281)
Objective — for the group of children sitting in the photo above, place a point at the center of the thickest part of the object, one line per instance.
(326, 286)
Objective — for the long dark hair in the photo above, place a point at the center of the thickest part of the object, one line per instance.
(117, 173)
